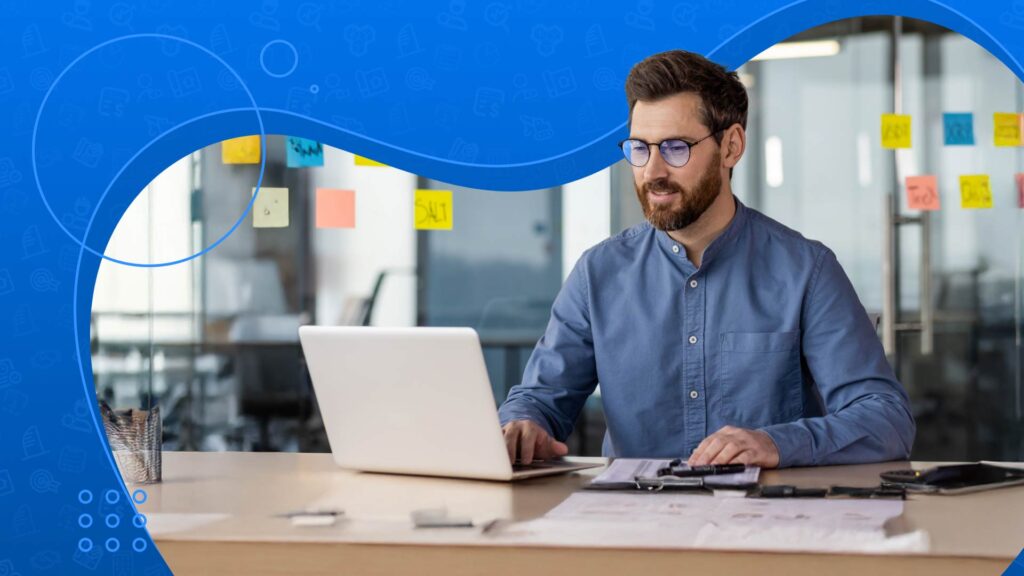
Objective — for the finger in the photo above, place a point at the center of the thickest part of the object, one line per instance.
(710, 451)
(549, 448)
(511, 441)
(699, 450)
(728, 453)
(527, 444)
(558, 449)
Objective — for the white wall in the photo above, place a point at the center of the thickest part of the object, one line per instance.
(586, 216)
(348, 260)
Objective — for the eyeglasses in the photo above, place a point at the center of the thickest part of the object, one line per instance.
(675, 151)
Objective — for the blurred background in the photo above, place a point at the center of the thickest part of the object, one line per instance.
(214, 341)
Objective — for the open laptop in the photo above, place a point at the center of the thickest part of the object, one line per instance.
(411, 401)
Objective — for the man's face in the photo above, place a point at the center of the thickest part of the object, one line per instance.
(673, 198)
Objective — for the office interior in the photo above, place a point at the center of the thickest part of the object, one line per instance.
(213, 341)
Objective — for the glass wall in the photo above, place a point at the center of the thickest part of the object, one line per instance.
(214, 341)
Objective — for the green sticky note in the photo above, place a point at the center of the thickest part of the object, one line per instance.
(271, 208)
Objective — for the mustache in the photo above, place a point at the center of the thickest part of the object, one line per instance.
(660, 186)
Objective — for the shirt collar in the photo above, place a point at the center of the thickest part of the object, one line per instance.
(722, 241)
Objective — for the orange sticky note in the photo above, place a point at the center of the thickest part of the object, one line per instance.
(923, 192)
(975, 191)
(335, 208)
(433, 210)
(1020, 189)
(243, 150)
(363, 161)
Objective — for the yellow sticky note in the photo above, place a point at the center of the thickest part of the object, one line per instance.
(895, 130)
(1006, 129)
(271, 208)
(243, 150)
(433, 210)
(362, 161)
(975, 191)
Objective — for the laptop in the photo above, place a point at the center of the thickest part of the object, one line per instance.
(411, 401)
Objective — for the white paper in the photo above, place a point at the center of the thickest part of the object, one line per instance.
(686, 520)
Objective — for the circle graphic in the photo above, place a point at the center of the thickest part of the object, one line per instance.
(35, 162)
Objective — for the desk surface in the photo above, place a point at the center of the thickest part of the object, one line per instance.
(215, 513)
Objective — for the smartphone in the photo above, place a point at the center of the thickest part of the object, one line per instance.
(955, 478)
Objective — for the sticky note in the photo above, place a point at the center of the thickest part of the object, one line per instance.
(303, 153)
(433, 210)
(243, 150)
(362, 161)
(975, 191)
(896, 130)
(923, 192)
(958, 128)
(1006, 129)
(271, 208)
(335, 208)
(1020, 189)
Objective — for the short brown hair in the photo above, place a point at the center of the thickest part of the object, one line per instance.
(723, 97)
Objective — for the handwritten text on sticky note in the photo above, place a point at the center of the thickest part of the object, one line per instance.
(975, 191)
(271, 208)
(243, 150)
(958, 129)
(922, 192)
(433, 210)
(304, 153)
(335, 208)
(895, 130)
(1006, 129)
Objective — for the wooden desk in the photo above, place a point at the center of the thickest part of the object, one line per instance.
(971, 534)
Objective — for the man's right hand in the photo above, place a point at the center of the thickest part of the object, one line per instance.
(527, 440)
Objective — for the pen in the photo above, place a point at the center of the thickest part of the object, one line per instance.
(707, 470)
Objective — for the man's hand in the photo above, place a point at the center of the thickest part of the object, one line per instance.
(736, 445)
(527, 440)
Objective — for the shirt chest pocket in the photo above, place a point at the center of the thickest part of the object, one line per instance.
(760, 378)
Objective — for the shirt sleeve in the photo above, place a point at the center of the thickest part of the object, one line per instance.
(868, 416)
(561, 372)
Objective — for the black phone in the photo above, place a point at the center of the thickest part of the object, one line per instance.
(955, 478)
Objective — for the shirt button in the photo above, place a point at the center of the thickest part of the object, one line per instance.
(693, 283)
(693, 339)
(693, 394)
(675, 249)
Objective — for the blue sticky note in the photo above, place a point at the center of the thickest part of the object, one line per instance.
(958, 128)
(303, 153)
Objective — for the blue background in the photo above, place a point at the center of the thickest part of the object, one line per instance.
(97, 98)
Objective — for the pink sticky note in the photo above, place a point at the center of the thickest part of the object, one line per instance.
(335, 208)
(922, 192)
(1020, 189)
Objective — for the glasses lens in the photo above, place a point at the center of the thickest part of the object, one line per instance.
(636, 152)
(675, 152)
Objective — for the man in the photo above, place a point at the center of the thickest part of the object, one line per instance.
(710, 317)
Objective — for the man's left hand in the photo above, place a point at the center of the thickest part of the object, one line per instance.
(731, 445)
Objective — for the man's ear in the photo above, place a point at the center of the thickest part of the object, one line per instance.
(734, 143)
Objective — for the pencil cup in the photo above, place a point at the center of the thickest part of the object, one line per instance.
(135, 438)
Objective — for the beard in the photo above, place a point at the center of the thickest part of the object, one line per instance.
(689, 204)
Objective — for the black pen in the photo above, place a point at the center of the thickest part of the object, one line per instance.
(706, 470)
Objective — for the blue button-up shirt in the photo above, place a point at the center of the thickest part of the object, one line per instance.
(767, 334)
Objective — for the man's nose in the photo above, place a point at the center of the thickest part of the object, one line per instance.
(656, 167)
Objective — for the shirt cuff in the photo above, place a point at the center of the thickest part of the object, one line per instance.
(793, 442)
(506, 415)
